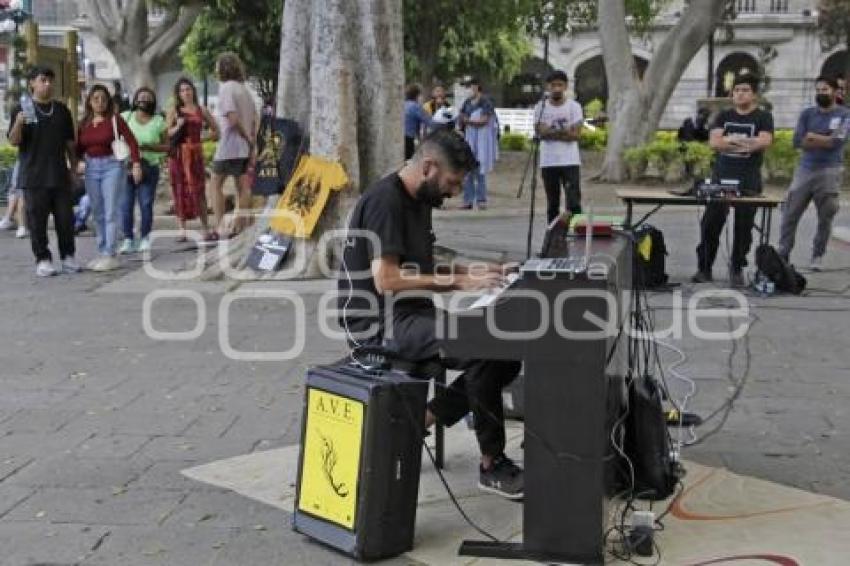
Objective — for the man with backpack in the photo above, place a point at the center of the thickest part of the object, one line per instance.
(821, 133)
(739, 135)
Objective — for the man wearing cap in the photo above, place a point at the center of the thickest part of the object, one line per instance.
(558, 123)
(46, 143)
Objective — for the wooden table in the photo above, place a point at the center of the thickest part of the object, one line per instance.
(631, 197)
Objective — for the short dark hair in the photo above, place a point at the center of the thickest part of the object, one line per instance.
(412, 92)
(557, 75)
(40, 70)
(472, 81)
(831, 81)
(746, 79)
(452, 148)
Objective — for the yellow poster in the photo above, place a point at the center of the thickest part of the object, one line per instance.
(299, 209)
(331, 461)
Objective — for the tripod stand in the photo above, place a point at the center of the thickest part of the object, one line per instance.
(533, 159)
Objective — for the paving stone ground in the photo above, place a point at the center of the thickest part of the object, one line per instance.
(97, 419)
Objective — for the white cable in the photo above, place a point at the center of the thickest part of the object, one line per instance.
(682, 405)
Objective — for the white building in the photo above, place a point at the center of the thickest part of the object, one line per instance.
(778, 38)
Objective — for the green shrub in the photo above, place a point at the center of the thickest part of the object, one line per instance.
(8, 156)
(594, 108)
(698, 157)
(666, 136)
(514, 142)
(781, 157)
(209, 151)
(593, 140)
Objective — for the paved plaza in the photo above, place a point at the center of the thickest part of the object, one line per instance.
(98, 420)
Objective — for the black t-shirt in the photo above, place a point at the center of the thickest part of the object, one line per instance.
(43, 149)
(400, 225)
(745, 167)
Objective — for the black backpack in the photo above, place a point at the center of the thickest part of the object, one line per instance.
(775, 268)
(650, 257)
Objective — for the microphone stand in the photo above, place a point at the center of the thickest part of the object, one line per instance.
(535, 159)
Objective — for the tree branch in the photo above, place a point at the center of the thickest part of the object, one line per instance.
(681, 43)
(169, 36)
(170, 18)
(103, 18)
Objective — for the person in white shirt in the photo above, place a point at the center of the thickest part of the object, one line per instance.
(558, 123)
(238, 122)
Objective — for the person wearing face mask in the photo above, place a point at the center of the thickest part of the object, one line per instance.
(480, 126)
(150, 131)
(558, 123)
(822, 134)
(389, 273)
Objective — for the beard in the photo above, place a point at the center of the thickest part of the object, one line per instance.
(429, 193)
(557, 96)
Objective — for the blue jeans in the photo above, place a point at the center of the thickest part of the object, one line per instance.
(145, 193)
(105, 179)
(475, 188)
(81, 214)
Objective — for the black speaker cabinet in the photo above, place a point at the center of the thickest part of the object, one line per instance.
(360, 458)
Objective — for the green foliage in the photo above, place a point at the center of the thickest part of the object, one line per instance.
(444, 38)
(834, 23)
(781, 157)
(594, 108)
(8, 156)
(208, 147)
(593, 140)
(514, 142)
(249, 28)
(665, 154)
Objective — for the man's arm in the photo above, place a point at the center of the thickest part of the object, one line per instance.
(390, 278)
(16, 133)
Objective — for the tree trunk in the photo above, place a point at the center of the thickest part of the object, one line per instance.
(635, 106)
(139, 50)
(342, 75)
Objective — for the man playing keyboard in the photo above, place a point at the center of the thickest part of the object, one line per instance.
(388, 275)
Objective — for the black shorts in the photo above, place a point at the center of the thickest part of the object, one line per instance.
(235, 167)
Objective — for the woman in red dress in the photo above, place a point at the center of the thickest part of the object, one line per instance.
(185, 124)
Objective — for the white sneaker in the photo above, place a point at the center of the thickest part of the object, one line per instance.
(45, 268)
(127, 246)
(816, 264)
(70, 265)
(7, 224)
(144, 245)
(93, 264)
(22, 232)
(106, 263)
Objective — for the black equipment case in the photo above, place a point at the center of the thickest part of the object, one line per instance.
(360, 458)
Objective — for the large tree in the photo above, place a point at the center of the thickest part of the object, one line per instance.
(250, 28)
(834, 25)
(445, 38)
(341, 76)
(139, 49)
(635, 105)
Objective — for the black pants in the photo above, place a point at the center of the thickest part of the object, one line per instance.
(477, 389)
(409, 147)
(568, 177)
(711, 228)
(41, 202)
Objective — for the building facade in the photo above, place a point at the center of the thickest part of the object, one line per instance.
(778, 39)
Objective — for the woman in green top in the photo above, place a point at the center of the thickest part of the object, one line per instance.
(149, 129)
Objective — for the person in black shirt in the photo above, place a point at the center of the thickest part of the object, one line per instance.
(739, 136)
(46, 151)
(388, 274)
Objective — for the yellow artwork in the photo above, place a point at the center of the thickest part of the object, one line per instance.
(331, 457)
(306, 195)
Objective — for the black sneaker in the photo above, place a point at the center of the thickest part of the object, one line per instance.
(503, 478)
(701, 277)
